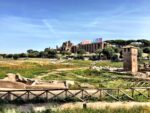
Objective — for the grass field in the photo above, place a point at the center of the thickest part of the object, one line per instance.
(83, 63)
(98, 79)
(29, 68)
(32, 68)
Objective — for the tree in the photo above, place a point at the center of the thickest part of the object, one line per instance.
(29, 51)
(52, 53)
(32, 53)
(42, 54)
(22, 55)
(3, 55)
(140, 51)
(115, 57)
(116, 49)
(146, 50)
(68, 53)
(99, 52)
(130, 41)
(144, 42)
(121, 54)
(108, 52)
(117, 42)
(49, 53)
(15, 56)
(65, 53)
(81, 51)
(9, 56)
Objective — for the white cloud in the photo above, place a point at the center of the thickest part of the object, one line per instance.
(49, 26)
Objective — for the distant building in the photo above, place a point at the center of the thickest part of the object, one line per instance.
(87, 45)
(91, 47)
(130, 62)
(86, 42)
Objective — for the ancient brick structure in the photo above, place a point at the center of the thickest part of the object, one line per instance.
(92, 47)
(66, 46)
(130, 62)
(88, 47)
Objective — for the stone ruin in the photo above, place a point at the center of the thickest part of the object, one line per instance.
(144, 70)
(130, 62)
(144, 67)
(106, 68)
(16, 81)
(18, 78)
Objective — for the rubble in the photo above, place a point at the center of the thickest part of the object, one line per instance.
(16, 81)
(148, 74)
(18, 78)
(144, 67)
(142, 74)
(106, 68)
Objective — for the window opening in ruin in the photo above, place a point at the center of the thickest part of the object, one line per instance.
(128, 49)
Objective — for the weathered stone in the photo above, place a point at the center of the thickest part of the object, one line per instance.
(16, 81)
(130, 62)
(86, 85)
(106, 68)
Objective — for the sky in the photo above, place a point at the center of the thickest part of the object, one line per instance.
(37, 24)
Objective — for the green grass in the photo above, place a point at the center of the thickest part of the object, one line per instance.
(98, 79)
(110, 64)
(144, 61)
(32, 67)
(28, 69)
(80, 63)
(30, 72)
(87, 63)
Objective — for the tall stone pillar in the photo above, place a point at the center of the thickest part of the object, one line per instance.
(130, 62)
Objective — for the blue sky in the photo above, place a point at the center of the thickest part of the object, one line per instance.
(36, 24)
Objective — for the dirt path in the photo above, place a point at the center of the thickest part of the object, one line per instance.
(59, 70)
(94, 105)
(102, 105)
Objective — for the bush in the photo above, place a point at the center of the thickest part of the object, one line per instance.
(15, 56)
(114, 57)
(108, 52)
(140, 51)
(146, 50)
(81, 52)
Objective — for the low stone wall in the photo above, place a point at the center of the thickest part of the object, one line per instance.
(12, 85)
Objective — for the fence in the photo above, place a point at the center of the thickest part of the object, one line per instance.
(116, 94)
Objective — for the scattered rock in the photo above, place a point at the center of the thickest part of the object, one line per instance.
(18, 78)
(69, 82)
(106, 68)
(16, 81)
(86, 85)
(144, 67)
(12, 85)
(142, 74)
(148, 74)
